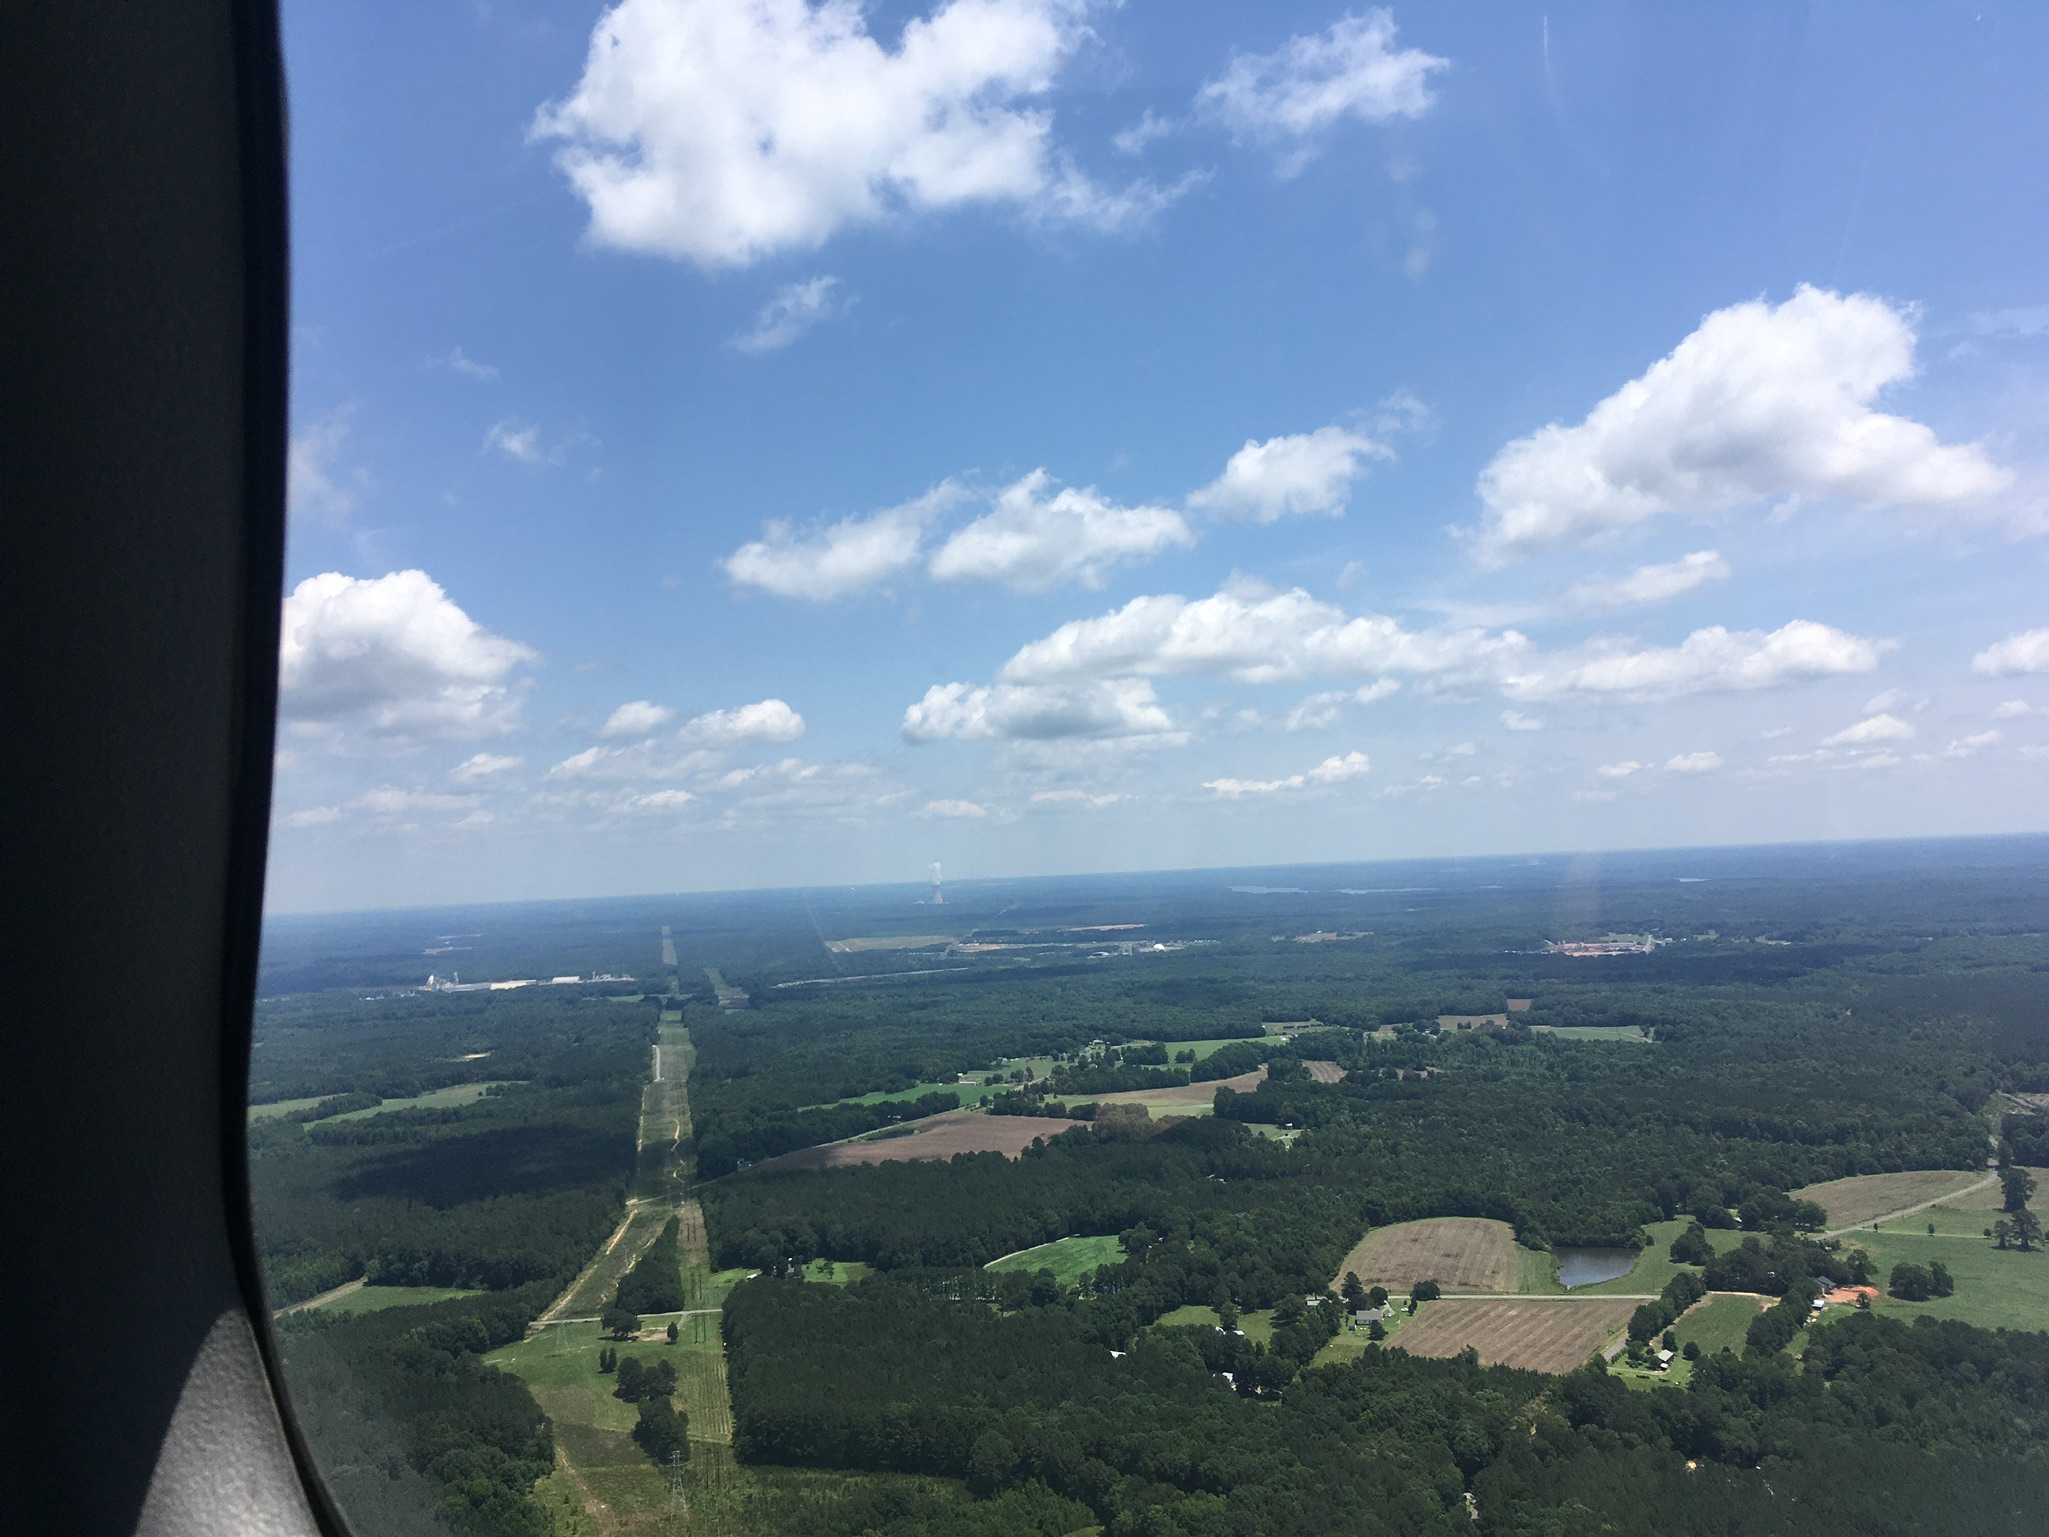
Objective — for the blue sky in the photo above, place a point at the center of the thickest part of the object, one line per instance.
(748, 444)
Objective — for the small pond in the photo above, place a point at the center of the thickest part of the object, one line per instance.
(1584, 1267)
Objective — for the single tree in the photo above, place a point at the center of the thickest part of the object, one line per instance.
(2001, 1234)
(1376, 1330)
(1227, 1315)
(1692, 1350)
(1355, 1291)
(674, 1332)
(1425, 1291)
(2027, 1230)
(1376, 1296)
(1668, 1341)
(2017, 1185)
(608, 1359)
(1940, 1282)
(619, 1323)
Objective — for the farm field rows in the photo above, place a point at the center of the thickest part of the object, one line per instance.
(1858, 1199)
(936, 1137)
(1193, 1099)
(1461, 1254)
(1988, 1198)
(1544, 1334)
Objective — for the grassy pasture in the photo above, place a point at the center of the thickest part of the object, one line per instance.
(1990, 1198)
(1068, 1258)
(1995, 1289)
(970, 1094)
(1203, 1049)
(1611, 1033)
(283, 1107)
(1853, 1201)
(1462, 1254)
(373, 1299)
(434, 1099)
(843, 1273)
(1722, 1321)
(1545, 1334)
(1257, 1327)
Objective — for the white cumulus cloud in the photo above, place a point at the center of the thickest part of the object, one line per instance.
(1305, 472)
(394, 653)
(483, 767)
(2026, 652)
(1693, 763)
(769, 720)
(1760, 402)
(957, 809)
(1320, 711)
(1288, 98)
(1620, 770)
(1975, 743)
(1036, 537)
(795, 309)
(1710, 660)
(723, 131)
(1252, 637)
(2014, 709)
(1648, 584)
(1875, 728)
(637, 717)
(1036, 712)
(842, 558)
(315, 486)
(1332, 770)
(1515, 720)
(1092, 802)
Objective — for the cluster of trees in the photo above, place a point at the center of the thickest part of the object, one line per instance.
(1155, 1441)
(1775, 1264)
(1917, 1283)
(1652, 1319)
(415, 1435)
(655, 1283)
(662, 1431)
(643, 1377)
(518, 1185)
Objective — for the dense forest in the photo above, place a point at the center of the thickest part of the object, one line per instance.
(1805, 1015)
(1941, 1427)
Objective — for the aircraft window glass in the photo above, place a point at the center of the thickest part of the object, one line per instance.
(1056, 767)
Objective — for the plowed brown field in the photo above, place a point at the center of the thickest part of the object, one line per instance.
(1552, 1334)
(1461, 1254)
(940, 1136)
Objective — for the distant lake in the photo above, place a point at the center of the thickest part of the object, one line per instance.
(1585, 1267)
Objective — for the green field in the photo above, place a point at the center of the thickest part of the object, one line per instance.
(283, 1107)
(1068, 1258)
(1203, 1049)
(455, 1094)
(436, 1099)
(843, 1273)
(372, 1299)
(1257, 1327)
(1594, 1032)
(1721, 1321)
(1995, 1289)
(970, 1094)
